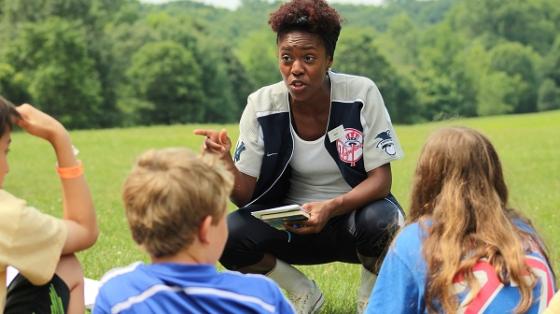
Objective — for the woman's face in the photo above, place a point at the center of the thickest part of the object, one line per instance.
(303, 63)
(4, 148)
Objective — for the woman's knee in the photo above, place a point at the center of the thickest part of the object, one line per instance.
(248, 240)
(379, 216)
(376, 225)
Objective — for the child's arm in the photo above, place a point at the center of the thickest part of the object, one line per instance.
(79, 213)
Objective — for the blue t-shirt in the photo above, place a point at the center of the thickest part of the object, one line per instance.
(187, 288)
(402, 280)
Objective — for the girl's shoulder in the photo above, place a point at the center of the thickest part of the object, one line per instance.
(409, 239)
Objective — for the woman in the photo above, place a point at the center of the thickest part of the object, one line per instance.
(463, 249)
(320, 139)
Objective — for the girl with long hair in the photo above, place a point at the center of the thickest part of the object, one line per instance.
(463, 250)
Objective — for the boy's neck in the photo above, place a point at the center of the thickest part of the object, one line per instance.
(188, 255)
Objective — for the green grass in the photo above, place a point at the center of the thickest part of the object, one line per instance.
(529, 146)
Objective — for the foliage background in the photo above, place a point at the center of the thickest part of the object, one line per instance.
(103, 63)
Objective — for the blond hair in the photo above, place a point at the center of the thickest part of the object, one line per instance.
(459, 186)
(168, 194)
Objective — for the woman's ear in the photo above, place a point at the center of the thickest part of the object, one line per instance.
(204, 230)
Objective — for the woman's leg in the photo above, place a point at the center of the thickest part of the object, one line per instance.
(253, 247)
(374, 227)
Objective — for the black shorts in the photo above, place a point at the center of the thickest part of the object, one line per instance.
(25, 298)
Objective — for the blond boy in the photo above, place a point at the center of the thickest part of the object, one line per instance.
(175, 203)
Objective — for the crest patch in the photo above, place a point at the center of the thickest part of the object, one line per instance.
(386, 143)
(350, 146)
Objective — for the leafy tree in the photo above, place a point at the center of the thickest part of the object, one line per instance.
(549, 96)
(469, 66)
(550, 67)
(498, 94)
(36, 11)
(220, 99)
(517, 60)
(166, 75)
(258, 55)
(358, 54)
(13, 84)
(439, 96)
(400, 43)
(525, 21)
(53, 59)
(440, 85)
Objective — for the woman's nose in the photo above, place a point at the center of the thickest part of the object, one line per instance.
(297, 69)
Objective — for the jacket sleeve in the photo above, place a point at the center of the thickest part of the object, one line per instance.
(381, 144)
(249, 149)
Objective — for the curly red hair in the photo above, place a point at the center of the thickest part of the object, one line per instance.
(313, 16)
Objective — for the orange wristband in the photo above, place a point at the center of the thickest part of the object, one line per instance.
(71, 172)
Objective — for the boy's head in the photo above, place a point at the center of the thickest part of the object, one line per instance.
(8, 115)
(170, 194)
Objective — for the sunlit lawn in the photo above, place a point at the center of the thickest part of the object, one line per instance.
(529, 146)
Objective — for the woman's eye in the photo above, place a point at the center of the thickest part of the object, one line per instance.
(286, 59)
(309, 59)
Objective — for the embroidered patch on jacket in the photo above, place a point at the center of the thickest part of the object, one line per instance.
(350, 145)
(238, 150)
(386, 143)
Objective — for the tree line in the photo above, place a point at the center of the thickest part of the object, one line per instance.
(109, 63)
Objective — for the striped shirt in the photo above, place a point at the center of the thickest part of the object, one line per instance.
(187, 288)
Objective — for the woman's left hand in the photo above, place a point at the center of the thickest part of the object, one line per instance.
(319, 215)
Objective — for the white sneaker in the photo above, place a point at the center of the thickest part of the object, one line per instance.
(367, 281)
(361, 306)
(309, 302)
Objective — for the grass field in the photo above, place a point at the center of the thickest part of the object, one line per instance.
(529, 146)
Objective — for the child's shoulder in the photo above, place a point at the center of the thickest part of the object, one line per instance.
(9, 201)
(412, 234)
(249, 281)
(409, 241)
(256, 278)
(120, 274)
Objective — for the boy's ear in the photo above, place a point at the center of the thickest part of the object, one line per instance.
(204, 229)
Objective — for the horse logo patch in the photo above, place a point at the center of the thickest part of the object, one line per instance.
(386, 143)
(350, 146)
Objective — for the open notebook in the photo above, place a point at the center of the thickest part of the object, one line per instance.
(91, 286)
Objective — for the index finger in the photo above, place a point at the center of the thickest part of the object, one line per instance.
(204, 132)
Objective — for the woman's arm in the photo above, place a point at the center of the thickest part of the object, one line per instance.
(79, 212)
(376, 186)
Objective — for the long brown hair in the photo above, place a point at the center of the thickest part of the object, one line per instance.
(459, 186)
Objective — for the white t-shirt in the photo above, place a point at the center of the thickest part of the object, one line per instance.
(315, 175)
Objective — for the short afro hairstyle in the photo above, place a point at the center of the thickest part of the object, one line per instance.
(313, 16)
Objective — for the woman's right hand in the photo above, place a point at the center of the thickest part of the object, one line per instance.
(216, 142)
(40, 124)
